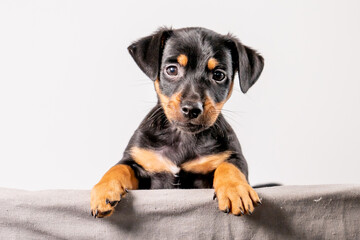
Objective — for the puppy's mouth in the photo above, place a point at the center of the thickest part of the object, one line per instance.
(189, 127)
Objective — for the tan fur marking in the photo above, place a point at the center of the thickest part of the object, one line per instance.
(112, 187)
(228, 172)
(152, 161)
(171, 105)
(212, 110)
(182, 60)
(206, 164)
(122, 173)
(233, 191)
(212, 63)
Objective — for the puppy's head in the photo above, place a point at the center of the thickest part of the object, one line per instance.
(193, 71)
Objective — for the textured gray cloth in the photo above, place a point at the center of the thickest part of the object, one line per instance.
(288, 212)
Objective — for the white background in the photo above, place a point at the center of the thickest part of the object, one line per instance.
(71, 95)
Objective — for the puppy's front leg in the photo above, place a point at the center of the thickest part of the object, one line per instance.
(111, 188)
(234, 193)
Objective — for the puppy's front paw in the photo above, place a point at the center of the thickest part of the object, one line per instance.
(105, 196)
(112, 187)
(239, 199)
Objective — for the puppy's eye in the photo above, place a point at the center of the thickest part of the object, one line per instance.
(172, 70)
(218, 75)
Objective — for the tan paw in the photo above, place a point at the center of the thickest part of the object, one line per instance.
(112, 187)
(105, 196)
(238, 199)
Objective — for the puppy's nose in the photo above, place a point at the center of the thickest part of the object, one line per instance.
(191, 110)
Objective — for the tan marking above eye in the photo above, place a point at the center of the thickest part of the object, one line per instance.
(212, 63)
(207, 163)
(152, 161)
(182, 60)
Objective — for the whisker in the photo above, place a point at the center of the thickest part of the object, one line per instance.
(232, 119)
(153, 115)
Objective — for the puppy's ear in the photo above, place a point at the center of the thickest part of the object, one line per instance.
(147, 52)
(248, 63)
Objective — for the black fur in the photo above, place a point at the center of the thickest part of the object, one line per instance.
(180, 144)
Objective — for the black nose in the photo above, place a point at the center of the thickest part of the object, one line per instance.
(191, 110)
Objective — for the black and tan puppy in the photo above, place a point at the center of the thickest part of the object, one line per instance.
(185, 142)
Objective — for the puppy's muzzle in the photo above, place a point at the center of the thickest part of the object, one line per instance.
(191, 110)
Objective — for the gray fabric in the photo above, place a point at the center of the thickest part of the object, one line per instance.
(288, 212)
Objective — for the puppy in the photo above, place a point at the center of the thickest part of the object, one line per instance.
(184, 141)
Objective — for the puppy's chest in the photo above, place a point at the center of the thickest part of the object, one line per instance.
(191, 158)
